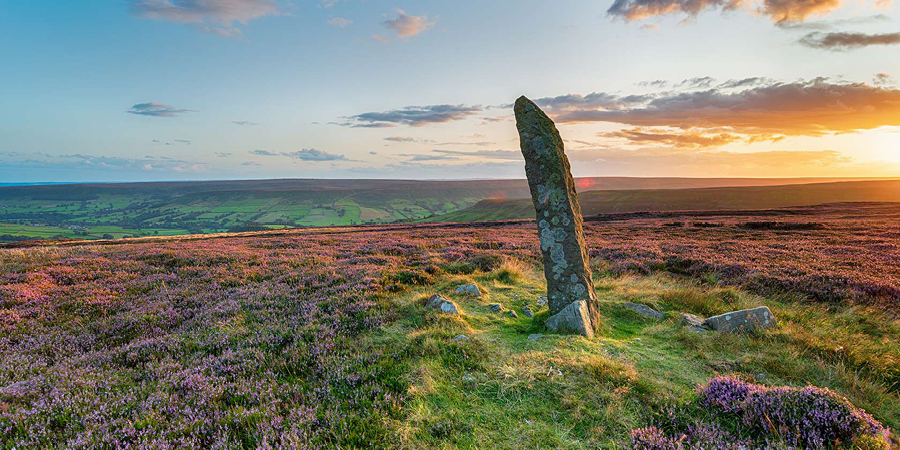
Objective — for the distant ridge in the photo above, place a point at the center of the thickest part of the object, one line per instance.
(595, 202)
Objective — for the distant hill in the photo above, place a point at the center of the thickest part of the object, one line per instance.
(716, 198)
(115, 210)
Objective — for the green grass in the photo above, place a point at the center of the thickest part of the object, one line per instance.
(503, 391)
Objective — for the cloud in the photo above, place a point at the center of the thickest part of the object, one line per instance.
(654, 83)
(593, 100)
(339, 22)
(381, 38)
(251, 163)
(649, 27)
(182, 141)
(848, 41)
(428, 157)
(807, 107)
(211, 16)
(415, 116)
(401, 139)
(746, 82)
(80, 161)
(678, 139)
(312, 154)
(883, 80)
(508, 155)
(155, 109)
(830, 24)
(327, 3)
(782, 12)
(408, 26)
(223, 154)
(697, 82)
(263, 153)
(244, 123)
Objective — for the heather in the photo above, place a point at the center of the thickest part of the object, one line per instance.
(318, 339)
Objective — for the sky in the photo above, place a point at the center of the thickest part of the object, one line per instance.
(146, 90)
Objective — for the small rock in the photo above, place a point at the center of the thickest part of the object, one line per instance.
(573, 318)
(528, 312)
(645, 311)
(694, 323)
(542, 300)
(449, 307)
(761, 376)
(442, 304)
(512, 314)
(534, 337)
(468, 378)
(742, 321)
(469, 289)
(462, 338)
(495, 307)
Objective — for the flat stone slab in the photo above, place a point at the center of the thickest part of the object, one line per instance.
(645, 311)
(574, 318)
(743, 321)
(469, 289)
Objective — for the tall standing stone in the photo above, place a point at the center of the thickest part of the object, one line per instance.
(570, 289)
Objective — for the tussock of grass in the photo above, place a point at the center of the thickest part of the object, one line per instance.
(503, 391)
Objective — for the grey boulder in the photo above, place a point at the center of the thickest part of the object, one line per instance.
(747, 320)
(495, 307)
(469, 289)
(441, 304)
(645, 311)
(694, 322)
(527, 312)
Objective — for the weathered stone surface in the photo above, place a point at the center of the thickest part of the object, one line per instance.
(495, 307)
(449, 307)
(742, 321)
(442, 304)
(693, 322)
(527, 312)
(462, 338)
(535, 337)
(645, 311)
(573, 318)
(512, 314)
(566, 262)
(542, 300)
(469, 289)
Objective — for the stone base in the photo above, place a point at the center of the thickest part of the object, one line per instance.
(574, 318)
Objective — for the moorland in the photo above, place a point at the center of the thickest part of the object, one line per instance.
(318, 338)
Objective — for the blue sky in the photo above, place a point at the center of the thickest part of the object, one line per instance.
(223, 89)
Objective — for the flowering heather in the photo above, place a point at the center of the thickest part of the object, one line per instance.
(266, 341)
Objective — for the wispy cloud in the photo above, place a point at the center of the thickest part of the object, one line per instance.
(848, 41)
(408, 26)
(415, 116)
(155, 109)
(339, 22)
(244, 123)
(213, 16)
(312, 154)
(263, 153)
(507, 155)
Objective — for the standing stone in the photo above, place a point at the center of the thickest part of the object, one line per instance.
(566, 262)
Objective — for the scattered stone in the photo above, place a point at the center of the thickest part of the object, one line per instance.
(535, 337)
(570, 289)
(442, 304)
(495, 307)
(542, 300)
(512, 314)
(746, 320)
(528, 312)
(462, 338)
(469, 289)
(468, 378)
(449, 307)
(645, 311)
(761, 376)
(693, 322)
(573, 318)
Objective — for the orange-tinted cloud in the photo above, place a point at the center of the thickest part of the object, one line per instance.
(679, 139)
(847, 41)
(779, 11)
(803, 108)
